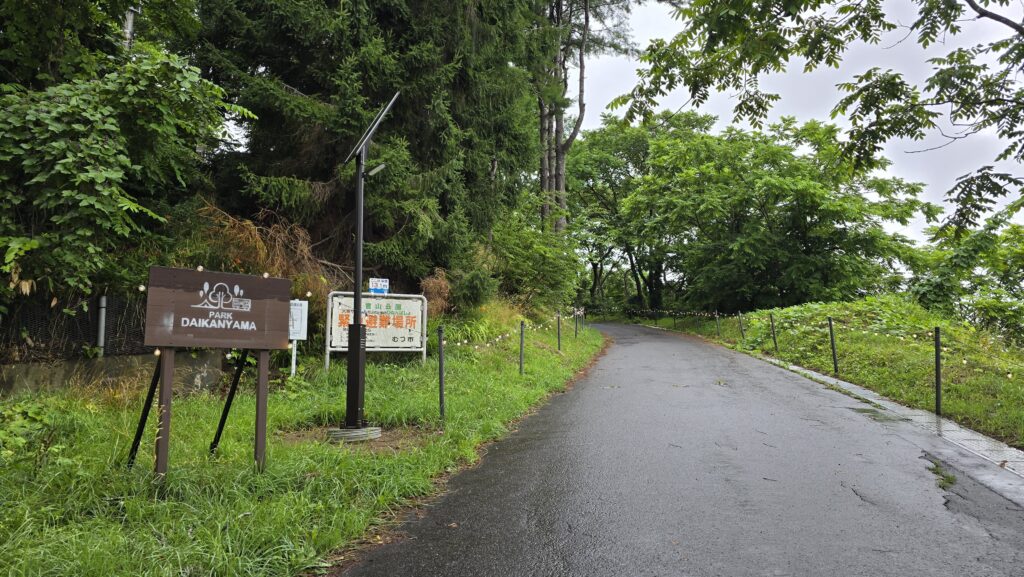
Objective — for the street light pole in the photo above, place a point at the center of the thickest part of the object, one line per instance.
(356, 375)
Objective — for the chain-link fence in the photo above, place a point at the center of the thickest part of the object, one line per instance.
(36, 330)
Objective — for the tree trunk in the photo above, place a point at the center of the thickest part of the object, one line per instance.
(559, 172)
(545, 167)
(637, 281)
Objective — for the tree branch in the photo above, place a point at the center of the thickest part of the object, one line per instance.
(984, 13)
(579, 99)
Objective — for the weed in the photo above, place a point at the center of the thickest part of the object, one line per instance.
(944, 480)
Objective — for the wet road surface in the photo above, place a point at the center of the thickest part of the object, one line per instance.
(678, 457)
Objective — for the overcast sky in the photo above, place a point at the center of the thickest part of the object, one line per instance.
(812, 96)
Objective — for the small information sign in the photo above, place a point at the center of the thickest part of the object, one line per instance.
(298, 318)
(379, 286)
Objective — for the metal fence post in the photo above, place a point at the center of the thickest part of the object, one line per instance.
(832, 340)
(718, 325)
(101, 330)
(575, 323)
(938, 372)
(440, 369)
(743, 333)
(522, 343)
(775, 341)
(559, 330)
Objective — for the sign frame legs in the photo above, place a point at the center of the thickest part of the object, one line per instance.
(262, 388)
(295, 352)
(239, 367)
(163, 436)
(134, 451)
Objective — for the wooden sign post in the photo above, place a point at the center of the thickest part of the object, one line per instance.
(196, 308)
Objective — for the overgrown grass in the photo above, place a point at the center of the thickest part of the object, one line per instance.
(887, 344)
(71, 508)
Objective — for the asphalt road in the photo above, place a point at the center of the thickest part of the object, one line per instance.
(678, 457)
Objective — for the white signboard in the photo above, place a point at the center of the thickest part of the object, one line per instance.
(298, 318)
(379, 286)
(393, 323)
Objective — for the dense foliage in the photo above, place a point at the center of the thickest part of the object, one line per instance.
(217, 134)
(976, 275)
(728, 45)
(94, 135)
(740, 220)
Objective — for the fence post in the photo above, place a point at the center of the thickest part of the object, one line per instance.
(718, 325)
(101, 330)
(522, 343)
(673, 320)
(771, 318)
(938, 372)
(575, 323)
(832, 339)
(559, 330)
(743, 333)
(440, 369)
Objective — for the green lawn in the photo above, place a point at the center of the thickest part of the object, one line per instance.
(69, 507)
(886, 344)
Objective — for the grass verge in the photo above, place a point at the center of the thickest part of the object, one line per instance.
(886, 344)
(69, 507)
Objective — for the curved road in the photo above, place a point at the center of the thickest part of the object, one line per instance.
(677, 457)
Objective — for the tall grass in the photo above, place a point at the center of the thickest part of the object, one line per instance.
(73, 509)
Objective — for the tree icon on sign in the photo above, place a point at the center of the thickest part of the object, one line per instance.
(216, 297)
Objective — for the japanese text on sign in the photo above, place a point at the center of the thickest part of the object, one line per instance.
(394, 322)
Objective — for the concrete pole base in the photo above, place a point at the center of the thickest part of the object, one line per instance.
(337, 436)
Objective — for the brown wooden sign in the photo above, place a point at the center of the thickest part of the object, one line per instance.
(191, 308)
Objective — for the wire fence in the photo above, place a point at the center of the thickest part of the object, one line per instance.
(36, 330)
(965, 374)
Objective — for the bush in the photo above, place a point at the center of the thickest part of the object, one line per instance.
(437, 290)
(472, 289)
(533, 266)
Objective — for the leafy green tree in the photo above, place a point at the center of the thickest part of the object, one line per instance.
(728, 45)
(604, 170)
(976, 275)
(93, 136)
(740, 220)
(772, 219)
(533, 266)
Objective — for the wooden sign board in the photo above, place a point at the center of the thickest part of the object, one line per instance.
(191, 308)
